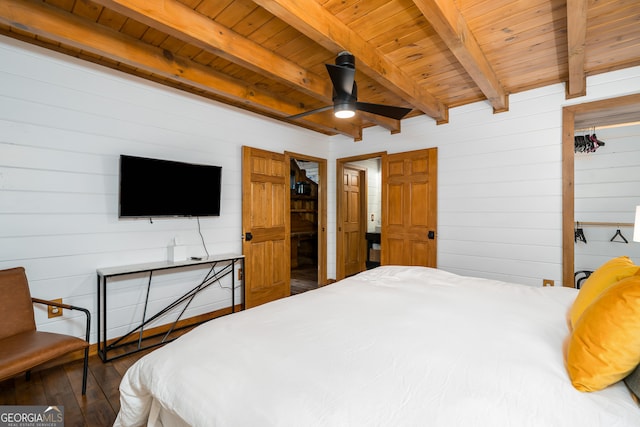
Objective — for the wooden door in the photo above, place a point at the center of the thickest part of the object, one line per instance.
(352, 219)
(265, 226)
(409, 208)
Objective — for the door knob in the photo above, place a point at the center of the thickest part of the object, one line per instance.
(248, 236)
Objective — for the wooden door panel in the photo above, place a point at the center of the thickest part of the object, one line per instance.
(265, 186)
(351, 227)
(409, 210)
(352, 253)
(278, 212)
(353, 208)
(420, 165)
(264, 213)
(259, 218)
(395, 251)
(259, 259)
(418, 205)
(264, 259)
(419, 253)
(354, 180)
(407, 252)
(395, 205)
(396, 168)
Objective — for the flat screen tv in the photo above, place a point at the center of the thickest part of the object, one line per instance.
(152, 188)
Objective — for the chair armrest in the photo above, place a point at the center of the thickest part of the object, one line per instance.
(68, 307)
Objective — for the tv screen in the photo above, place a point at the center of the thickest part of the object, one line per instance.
(157, 188)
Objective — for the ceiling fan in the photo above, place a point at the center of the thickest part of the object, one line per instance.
(345, 93)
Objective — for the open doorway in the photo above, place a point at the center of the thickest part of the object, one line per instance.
(359, 214)
(308, 218)
(589, 115)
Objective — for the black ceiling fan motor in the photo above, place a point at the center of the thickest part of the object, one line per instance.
(346, 59)
(345, 92)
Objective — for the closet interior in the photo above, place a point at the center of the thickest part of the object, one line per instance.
(304, 225)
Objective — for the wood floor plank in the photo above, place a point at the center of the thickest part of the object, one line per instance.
(109, 379)
(59, 392)
(62, 385)
(7, 393)
(95, 406)
(99, 413)
(30, 392)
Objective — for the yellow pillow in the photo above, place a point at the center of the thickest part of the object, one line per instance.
(606, 275)
(605, 344)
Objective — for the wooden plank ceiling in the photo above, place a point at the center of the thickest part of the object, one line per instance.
(268, 56)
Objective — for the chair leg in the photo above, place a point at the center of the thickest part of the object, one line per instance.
(84, 372)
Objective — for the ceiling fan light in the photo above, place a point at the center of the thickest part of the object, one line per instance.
(344, 111)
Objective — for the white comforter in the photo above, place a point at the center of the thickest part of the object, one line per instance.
(393, 346)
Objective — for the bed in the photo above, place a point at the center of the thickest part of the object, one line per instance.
(392, 346)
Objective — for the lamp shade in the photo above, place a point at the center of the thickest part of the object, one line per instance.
(636, 227)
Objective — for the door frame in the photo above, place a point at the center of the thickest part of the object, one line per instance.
(362, 219)
(340, 164)
(322, 211)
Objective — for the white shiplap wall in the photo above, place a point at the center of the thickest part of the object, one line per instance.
(607, 189)
(63, 125)
(499, 179)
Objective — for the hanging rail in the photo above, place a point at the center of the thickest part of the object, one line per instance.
(604, 224)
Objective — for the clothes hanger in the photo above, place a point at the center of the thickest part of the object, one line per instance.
(619, 233)
(588, 142)
(579, 143)
(595, 139)
(579, 234)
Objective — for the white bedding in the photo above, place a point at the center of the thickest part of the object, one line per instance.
(393, 346)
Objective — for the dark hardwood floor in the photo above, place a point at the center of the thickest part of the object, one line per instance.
(304, 278)
(62, 386)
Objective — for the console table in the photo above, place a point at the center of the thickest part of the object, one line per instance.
(220, 267)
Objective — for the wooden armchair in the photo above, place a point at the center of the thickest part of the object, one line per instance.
(22, 347)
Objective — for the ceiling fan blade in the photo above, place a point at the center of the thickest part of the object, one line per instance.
(342, 78)
(307, 113)
(383, 110)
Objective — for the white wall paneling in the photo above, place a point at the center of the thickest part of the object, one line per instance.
(63, 125)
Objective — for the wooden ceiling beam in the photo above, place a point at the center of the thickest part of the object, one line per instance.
(314, 21)
(448, 22)
(338, 126)
(392, 125)
(183, 23)
(576, 35)
(66, 28)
